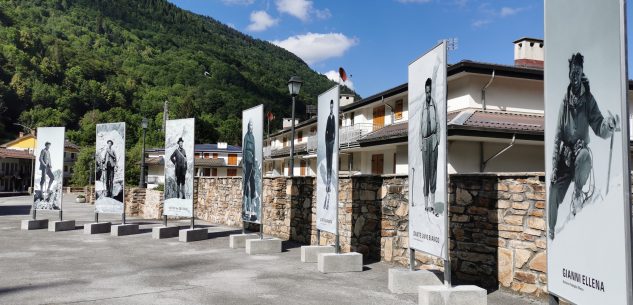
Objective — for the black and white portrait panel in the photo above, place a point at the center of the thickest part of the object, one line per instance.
(110, 168)
(327, 160)
(179, 166)
(586, 152)
(252, 137)
(49, 165)
(427, 153)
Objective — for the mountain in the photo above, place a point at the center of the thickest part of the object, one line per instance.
(75, 63)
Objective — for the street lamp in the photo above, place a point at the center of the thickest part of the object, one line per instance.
(142, 181)
(294, 86)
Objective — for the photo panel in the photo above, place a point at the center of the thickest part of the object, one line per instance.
(49, 169)
(252, 153)
(328, 160)
(179, 167)
(110, 168)
(428, 195)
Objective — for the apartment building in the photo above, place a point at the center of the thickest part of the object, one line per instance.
(211, 160)
(495, 123)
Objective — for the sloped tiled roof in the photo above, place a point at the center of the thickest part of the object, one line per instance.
(15, 154)
(197, 162)
(470, 119)
(285, 151)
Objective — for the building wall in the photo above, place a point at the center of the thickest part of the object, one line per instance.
(465, 157)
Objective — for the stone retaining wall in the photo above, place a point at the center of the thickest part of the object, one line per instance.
(144, 203)
(497, 223)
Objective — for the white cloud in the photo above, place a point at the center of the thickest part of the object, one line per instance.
(414, 1)
(481, 22)
(509, 11)
(323, 14)
(261, 21)
(334, 76)
(316, 47)
(298, 8)
(238, 2)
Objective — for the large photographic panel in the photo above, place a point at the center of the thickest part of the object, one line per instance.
(110, 168)
(49, 169)
(327, 160)
(428, 199)
(586, 152)
(179, 167)
(252, 153)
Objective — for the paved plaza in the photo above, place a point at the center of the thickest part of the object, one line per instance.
(42, 267)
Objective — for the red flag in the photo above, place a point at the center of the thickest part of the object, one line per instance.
(270, 116)
(342, 74)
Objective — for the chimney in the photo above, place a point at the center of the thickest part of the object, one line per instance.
(287, 122)
(21, 134)
(346, 99)
(222, 145)
(529, 53)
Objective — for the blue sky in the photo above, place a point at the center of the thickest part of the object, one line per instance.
(375, 40)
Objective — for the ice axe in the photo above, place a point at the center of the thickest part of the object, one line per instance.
(617, 129)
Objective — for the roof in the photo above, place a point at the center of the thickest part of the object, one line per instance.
(485, 123)
(15, 154)
(285, 151)
(528, 39)
(67, 144)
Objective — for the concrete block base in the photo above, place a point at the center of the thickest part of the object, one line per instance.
(310, 254)
(458, 295)
(190, 235)
(30, 224)
(65, 225)
(239, 240)
(407, 281)
(344, 262)
(263, 246)
(97, 227)
(165, 232)
(122, 230)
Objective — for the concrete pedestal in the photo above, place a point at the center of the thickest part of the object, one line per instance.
(239, 240)
(66, 225)
(459, 295)
(344, 262)
(263, 246)
(190, 235)
(97, 227)
(310, 254)
(30, 224)
(407, 281)
(164, 232)
(122, 230)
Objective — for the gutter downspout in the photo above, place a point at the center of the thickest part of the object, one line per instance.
(485, 163)
(483, 90)
(393, 118)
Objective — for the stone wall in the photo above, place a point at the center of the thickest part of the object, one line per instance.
(497, 230)
(144, 203)
(219, 200)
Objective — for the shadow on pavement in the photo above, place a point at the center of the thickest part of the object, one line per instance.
(8, 210)
(15, 289)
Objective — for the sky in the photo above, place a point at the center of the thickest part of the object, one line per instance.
(375, 40)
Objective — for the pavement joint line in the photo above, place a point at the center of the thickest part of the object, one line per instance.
(190, 287)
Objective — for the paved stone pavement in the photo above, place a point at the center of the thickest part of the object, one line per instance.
(41, 267)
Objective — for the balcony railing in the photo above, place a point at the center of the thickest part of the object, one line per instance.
(348, 137)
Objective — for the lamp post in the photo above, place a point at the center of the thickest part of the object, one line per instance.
(294, 86)
(142, 181)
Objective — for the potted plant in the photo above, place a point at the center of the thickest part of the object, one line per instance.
(81, 198)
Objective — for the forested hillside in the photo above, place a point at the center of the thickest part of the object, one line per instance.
(75, 63)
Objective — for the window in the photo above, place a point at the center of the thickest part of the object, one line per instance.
(206, 172)
(72, 156)
(214, 172)
(207, 156)
(232, 159)
(399, 108)
(197, 155)
(303, 168)
(300, 135)
(313, 130)
(377, 164)
(379, 117)
(351, 118)
(285, 141)
(215, 156)
(231, 172)
(65, 169)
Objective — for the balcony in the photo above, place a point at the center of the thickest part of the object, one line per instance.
(348, 138)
